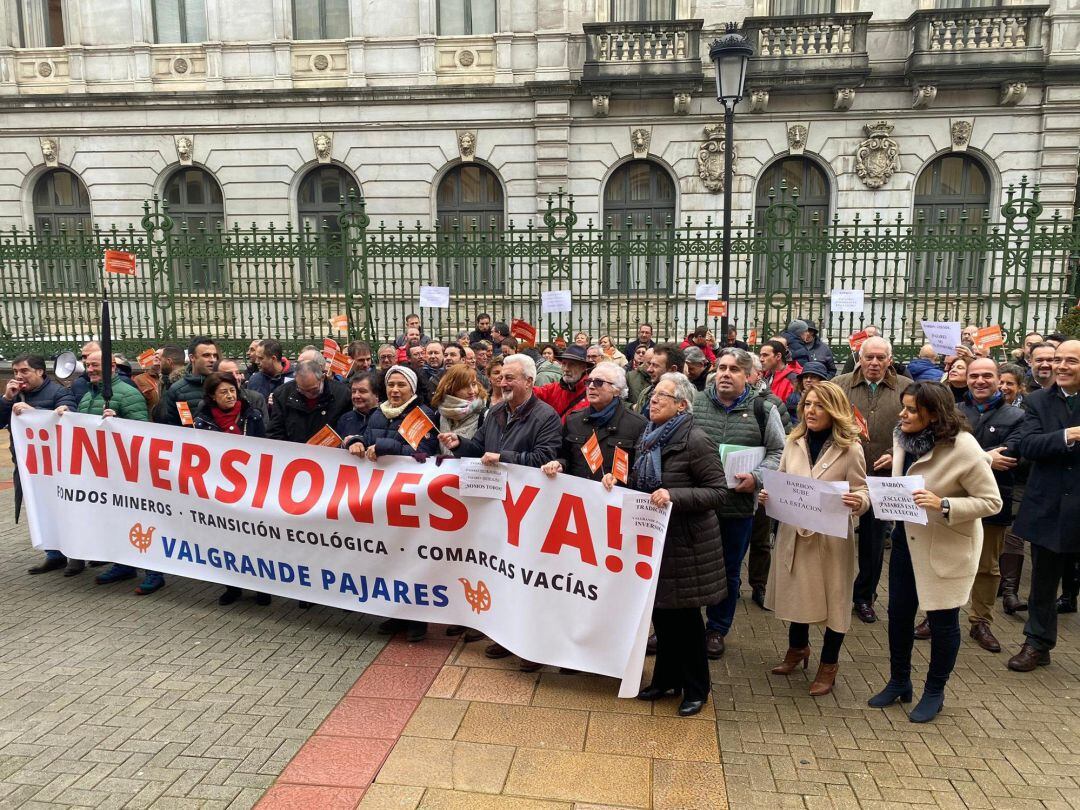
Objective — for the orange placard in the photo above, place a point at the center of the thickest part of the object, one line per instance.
(716, 309)
(860, 420)
(330, 348)
(340, 363)
(988, 337)
(186, 419)
(146, 357)
(593, 455)
(326, 437)
(415, 427)
(340, 323)
(120, 262)
(751, 339)
(620, 465)
(523, 331)
(560, 343)
(857, 340)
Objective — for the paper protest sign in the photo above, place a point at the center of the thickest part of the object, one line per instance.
(944, 336)
(593, 455)
(797, 501)
(620, 465)
(186, 419)
(523, 331)
(326, 437)
(120, 262)
(434, 297)
(707, 292)
(847, 301)
(555, 301)
(989, 337)
(415, 427)
(641, 517)
(892, 498)
(717, 309)
(479, 480)
(857, 340)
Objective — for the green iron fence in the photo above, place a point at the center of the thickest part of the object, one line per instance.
(1017, 269)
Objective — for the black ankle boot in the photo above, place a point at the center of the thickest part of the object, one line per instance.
(893, 691)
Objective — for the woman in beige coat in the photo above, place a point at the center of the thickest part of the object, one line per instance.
(812, 574)
(935, 564)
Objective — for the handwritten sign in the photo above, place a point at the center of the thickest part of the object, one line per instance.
(326, 437)
(186, 419)
(523, 331)
(415, 427)
(944, 336)
(593, 455)
(847, 301)
(479, 480)
(555, 301)
(120, 262)
(892, 498)
(620, 465)
(434, 297)
(798, 501)
(707, 292)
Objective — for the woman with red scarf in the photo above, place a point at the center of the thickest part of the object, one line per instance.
(223, 410)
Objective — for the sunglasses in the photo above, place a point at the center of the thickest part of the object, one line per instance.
(596, 382)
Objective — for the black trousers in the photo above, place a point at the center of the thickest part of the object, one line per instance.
(680, 652)
(1070, 576)
(1047, 569)
(903, 605)
(760, 557)
(799, 637)
(871, 558)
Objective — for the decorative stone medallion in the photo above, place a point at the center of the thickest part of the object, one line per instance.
(185, 146)
(960, 134)
(324, 146)
(50, 151)
(640, 139)
(466, 142)
(796, 138)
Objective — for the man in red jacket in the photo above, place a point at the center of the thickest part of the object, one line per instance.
(568, 394)
(780, 374)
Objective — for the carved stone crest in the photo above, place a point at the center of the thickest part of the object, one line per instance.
(845, 97)
(50, 151)
(960, 134)
(682, 104)
(466, 143)
(639, 142)
(185, 146)
(878, 155)
(324, 146)
(796, 138)
(710, 158)
(601, 105)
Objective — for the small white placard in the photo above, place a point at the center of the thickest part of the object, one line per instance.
(944, 336)
(479, 480)
(847, 301)
(806, 503)
(892, 498)
(742, 461)
(640, 516)
(434, 297)
(555, 301)
(707, 292)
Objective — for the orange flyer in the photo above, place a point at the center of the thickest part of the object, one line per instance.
(184, 410)
(120, 261)
(989, 336)
(717, 309)
(330, 348)
(146, 357)
(326, 437)
(340, 363)
(751, 339)
(415, 427)
(340, 322)
(860, 420)
(620, 465)
(593, 455)
(857, 340)
(523, 331)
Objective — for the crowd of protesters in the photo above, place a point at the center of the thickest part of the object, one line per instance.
(995, 440)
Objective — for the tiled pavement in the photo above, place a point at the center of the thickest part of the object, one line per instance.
(111, 700)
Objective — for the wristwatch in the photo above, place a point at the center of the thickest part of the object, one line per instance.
(945, 507)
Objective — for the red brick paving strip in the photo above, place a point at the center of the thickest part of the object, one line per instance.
(337, 764)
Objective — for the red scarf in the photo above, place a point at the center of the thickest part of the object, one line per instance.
(227, 421)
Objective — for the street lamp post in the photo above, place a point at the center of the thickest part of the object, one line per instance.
(729, 56)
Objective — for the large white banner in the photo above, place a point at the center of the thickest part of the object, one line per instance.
(545, 571)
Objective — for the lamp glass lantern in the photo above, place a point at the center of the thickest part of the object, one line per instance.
(730, 55)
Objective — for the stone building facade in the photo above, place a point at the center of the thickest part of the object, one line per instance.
(864, 99)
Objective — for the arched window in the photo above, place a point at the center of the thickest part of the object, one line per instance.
(639, 204)
(61, 213)
(469, 205)
(198, 212)
(952, 195)
(319, 203)
(779, 183)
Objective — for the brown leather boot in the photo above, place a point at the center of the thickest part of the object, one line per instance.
(823, 681)
(792, 659)
(1012, 566)
(1028, 658)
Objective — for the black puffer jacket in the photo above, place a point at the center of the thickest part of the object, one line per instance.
(623, 431)
(692, 567)
(292, 421)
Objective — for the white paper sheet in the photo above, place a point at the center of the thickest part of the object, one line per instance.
(892, 498)
(944, 336)
(798, 501)
(639, 516)
(479, 480)
(847, 301)
(434, 297)
(555, 301)
(742, 461)
(707, 292)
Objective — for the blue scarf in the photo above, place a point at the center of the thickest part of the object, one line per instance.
(647, 469)
(989, 405)
(597, 419)
(710, 390)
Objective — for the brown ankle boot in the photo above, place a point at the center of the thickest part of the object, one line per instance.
(794, 657)
(823, 681)
(1012, 566)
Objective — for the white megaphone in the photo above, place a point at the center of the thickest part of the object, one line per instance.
(67, 365)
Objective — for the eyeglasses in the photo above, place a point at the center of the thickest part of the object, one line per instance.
(596, 382)
(672, 397)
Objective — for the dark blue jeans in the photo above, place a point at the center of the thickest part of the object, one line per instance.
(735, 534)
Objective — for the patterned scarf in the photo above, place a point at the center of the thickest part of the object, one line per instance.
(597, 419)
(460, 417)
(391, 413)
(647, 467)
(914, 445)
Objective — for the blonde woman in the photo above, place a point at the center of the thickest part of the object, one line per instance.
(460, 401)
(812, 574)
(611, 352)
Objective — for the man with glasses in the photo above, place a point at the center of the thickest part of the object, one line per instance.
(1042, 367)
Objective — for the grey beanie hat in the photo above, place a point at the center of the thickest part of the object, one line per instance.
(798, 327)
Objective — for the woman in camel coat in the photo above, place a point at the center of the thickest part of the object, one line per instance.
(812, 574)
(934, 564)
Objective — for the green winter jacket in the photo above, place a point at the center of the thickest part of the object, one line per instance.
(127, 401)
